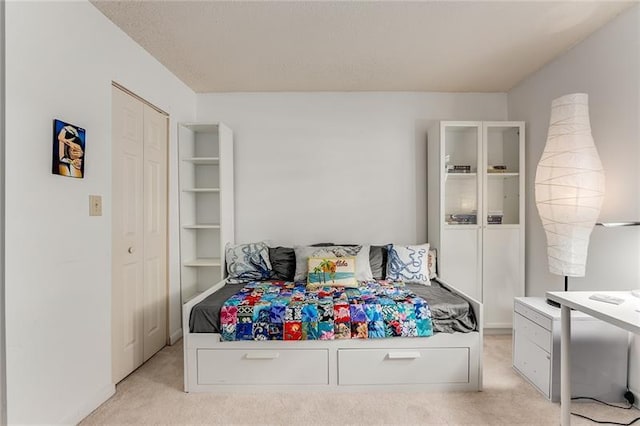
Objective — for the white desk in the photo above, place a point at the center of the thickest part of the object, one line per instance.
(624, 316)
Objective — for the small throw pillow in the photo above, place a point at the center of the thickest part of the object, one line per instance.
(378, 261)
(361, 253)
(283, 263)
(247, 262)
(409, 264)
(433, 264)
(332, 272)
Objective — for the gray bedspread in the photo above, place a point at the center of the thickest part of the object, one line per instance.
(449, 312)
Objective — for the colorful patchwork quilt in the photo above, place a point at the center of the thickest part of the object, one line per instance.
(269, 310)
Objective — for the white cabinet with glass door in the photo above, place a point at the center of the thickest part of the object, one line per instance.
(476, 211)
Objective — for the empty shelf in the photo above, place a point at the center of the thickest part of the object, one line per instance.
(202, 160)
(203, 261)
(201, 190)
(202, 226)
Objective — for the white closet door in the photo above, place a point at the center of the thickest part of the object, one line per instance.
(155, 231)
(127, 234)
(139, 234)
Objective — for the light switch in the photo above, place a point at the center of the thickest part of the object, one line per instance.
(95, 205)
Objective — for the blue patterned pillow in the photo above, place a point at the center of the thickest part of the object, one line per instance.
(247, 262)
(409, 264)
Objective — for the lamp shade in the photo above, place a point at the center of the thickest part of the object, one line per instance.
(569, 185)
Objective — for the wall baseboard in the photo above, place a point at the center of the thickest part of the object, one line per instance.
(497, 331)
(634, 367)
(636, 394)
(90, 405)
(175, 337)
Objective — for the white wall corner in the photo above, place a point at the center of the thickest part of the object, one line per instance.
(82, 95)
(634, 367)
(605, 65)
(3, 374)
(175, 337)
(89, 405)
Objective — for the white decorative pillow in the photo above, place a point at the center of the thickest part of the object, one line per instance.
(433, 263)
(361, 253)
(247, 262)
(409, 264)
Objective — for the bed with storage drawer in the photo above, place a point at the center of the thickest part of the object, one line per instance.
(450, 359)
(373, 292)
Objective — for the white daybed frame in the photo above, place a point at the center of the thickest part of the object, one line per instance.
(445, 361)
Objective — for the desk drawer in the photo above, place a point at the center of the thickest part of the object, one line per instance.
(532, 315)
(532, 331)
(533, 362)
(263, 367)
(403, 366)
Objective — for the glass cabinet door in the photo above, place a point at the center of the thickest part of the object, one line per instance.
(503, 179)
(462, 153)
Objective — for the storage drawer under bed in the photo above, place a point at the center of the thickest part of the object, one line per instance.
(263, 367)
(403, 366)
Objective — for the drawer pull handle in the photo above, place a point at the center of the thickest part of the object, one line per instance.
(403, 355)
(262, 355)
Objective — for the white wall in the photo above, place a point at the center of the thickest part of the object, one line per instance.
(61, 60)
(607, 67)
(339, 167)
(3, 394)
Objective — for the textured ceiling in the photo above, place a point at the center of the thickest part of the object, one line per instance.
(454, 46)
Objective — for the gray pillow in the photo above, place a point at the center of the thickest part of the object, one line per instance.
(378, 261)
(283, 263)
(433, 263)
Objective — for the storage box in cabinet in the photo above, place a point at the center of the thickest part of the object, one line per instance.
(403, 366)
(263, 367)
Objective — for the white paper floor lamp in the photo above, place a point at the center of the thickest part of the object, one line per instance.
(569, 186)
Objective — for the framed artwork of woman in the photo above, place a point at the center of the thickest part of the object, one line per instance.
(68, 149)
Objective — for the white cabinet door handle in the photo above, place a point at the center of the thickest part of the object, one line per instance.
(262, 355)
(404, 355)
(131, 250)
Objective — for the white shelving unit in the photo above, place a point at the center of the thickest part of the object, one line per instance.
(206, 204)
(476, 214)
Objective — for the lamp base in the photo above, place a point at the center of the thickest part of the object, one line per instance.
(553, 303)
(566, 288)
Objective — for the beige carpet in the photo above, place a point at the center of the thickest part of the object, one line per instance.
(153, 394)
